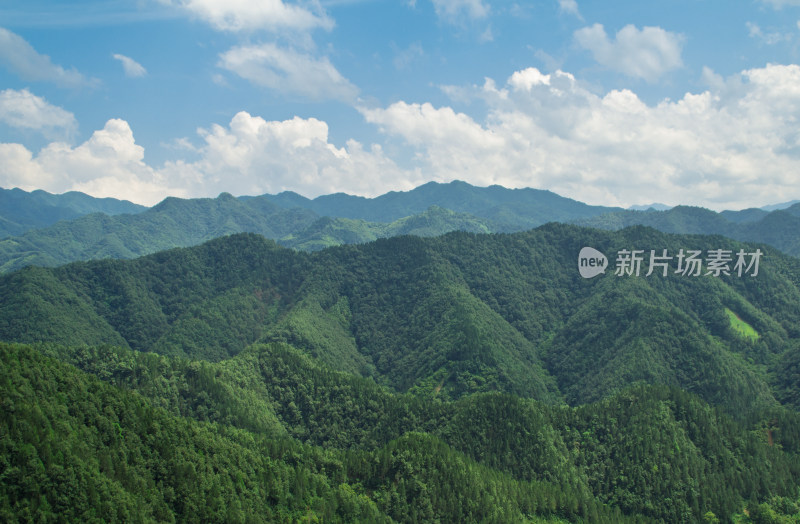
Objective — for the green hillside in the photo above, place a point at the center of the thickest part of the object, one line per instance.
(272, 436)
(182, 223)
(779, 228)
(510, 209)
(311, 225)
(459, 378)
(458, 314)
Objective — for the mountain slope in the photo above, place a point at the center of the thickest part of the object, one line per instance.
(653, 451)
(21, 210)
(407, 378)
(76, 448)
(172, 223)
(446, 316)
(429, 210)
(181, 223)
(510, 209)
(779, 228)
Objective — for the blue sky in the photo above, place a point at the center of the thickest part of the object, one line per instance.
(616, 103)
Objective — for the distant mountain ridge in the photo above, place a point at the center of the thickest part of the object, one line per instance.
(779, 228)
(784, 205)
(22, 210)
(510, 209)
(292, 220)
(117, 229)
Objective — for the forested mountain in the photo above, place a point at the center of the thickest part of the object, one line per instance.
(309, 225)
(510, 209)
(782, 205)
(272, 436)
(180, 223)
(779, 228)
(292, 220)
(21, 210)
(464, 378)
(454, 315)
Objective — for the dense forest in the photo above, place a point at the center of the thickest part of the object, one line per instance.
(778, 228)
(465, 377)
(112, 434)
(460, 378)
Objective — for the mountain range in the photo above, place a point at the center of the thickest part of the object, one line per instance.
(21, 210)
(115, 229)
(290, 365)
(484, 358)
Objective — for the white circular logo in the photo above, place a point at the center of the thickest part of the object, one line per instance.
(591, 262)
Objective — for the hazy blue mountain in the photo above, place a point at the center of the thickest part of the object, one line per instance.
(784, 205)
(21, 210)
(298, 222)
(510, 209)
(179, 222)
(650, 207)
(745, 215)
(780, 229)
(793, 209)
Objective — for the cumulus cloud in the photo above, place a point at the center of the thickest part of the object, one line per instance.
(461, 142)
(24, 110)
(109, 163)
(452, 10)
(249, 156)
(734, 145)
(731, 147)
(254, 156)
(252, 15)
(648, 53)
(132, 68)
(19, 57)
(288, 71)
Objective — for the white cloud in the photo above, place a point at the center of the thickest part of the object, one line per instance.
(110, 163)
(132, 68)
(463, 147)
(24, 110)
(249, 156)
(252, 15)
(778, 4)
(19, 57)
(569, 7)
(731, 147)
(288, 71)
(648, 53)
(255, 156)
(770, 38)
(451, 10)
